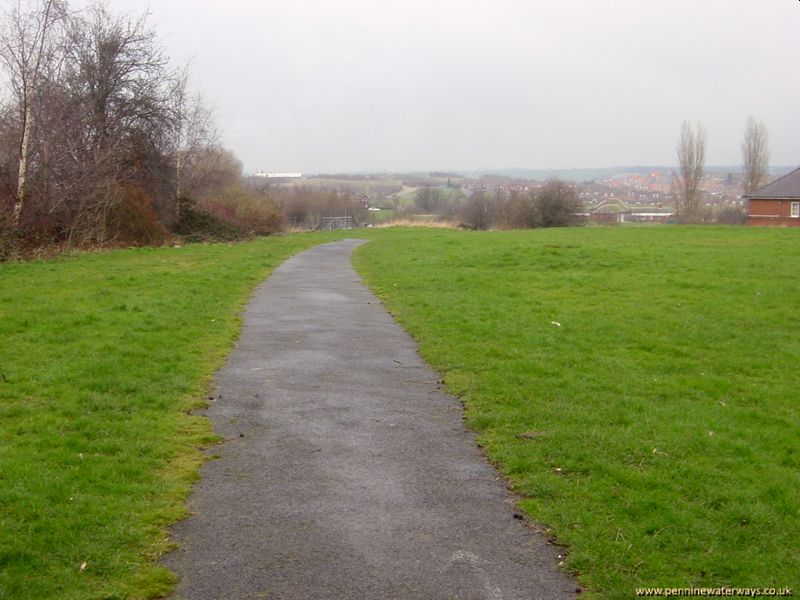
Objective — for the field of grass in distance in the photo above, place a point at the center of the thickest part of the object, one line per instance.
(639, 386)
(102, 359)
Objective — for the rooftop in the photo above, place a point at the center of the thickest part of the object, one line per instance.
(787, 186)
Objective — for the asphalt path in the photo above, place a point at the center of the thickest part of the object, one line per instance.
(346, 471)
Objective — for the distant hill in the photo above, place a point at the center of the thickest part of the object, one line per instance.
(575, 175)
(566, 174)
(578, 175)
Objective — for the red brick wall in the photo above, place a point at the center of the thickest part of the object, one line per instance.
(772, 212)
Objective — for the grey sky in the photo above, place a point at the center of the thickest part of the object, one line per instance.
(351, 85)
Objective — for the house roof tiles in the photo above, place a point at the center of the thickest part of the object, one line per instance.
(787, 186)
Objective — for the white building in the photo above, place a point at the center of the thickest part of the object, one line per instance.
(278, 175)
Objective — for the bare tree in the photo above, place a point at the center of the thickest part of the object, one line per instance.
(428, 198)
(125, 92)
(557, 204)
(27, 50)
(478, 211)
(194, 136)
(691, 162)
(755, 154)
(100, 142)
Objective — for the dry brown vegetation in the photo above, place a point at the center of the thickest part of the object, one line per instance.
(437, 224)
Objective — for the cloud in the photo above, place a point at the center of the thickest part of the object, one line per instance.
(356, 85)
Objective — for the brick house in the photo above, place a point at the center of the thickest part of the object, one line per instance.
(777, 203)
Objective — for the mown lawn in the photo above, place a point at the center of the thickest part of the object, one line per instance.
(639, 386)
(102, 357)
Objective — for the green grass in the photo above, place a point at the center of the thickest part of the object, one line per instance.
(102, 359)
(655, 431)
(638, 386)
(386, 214)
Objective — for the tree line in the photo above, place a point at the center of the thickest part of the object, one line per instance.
(553, 204)
(101, 139)
(691, 150)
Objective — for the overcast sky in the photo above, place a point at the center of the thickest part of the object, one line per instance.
(352, 85)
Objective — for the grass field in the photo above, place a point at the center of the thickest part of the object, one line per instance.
(638, 386)
(102, 357)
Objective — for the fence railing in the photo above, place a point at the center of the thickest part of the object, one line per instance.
(331, 223)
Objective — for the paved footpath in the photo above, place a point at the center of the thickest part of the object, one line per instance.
(347, 473)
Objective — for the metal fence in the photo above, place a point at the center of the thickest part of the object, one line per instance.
(331, 223)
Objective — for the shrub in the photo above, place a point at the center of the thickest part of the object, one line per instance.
(133, 221)
(556, 205)
(478, 211)
(303, 206)
(731, 215)
(253, 213)
(197, 226)
(428, 199)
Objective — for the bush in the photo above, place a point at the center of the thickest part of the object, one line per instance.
(253, 213)
(303, 206)
(479, 211)
(428, 199)
(555, 204)
(517, 211)
(6, 244)
(731, 215)
(133, 221)
(197, 226)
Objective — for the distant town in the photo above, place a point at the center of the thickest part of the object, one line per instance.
(607, 196)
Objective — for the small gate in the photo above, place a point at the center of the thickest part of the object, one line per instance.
(331, 223)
